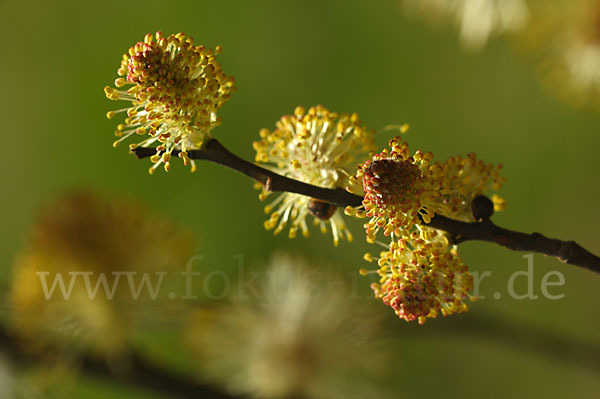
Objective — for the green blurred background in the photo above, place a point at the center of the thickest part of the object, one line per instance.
(351, 56)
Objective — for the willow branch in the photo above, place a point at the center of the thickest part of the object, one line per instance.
(215, 152)
(485, 230)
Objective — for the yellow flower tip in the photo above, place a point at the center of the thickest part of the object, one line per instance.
(120, 82)
(154, 158)
(336, 242)
(296, 164)
(363, 272)
(218, 49)
(116, 143)
(262, 196)
(111, 93)
(499, 203)
(404, 128)
(186, 159)
(268, 209)
(349, 237)
(167, 166)
(305, 233)
(426, 218)
(323, 229)
(110, 114)
(133, 146)
(264, 133)
(368, 257)
(350, 211)
(151, 170)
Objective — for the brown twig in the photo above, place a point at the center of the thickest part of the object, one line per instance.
(215, 152)
(484, 230)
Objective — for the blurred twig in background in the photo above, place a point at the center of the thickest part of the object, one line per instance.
(516, 336)
(138, 372)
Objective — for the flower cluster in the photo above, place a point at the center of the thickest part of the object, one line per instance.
(318, 147)
(564, 38)
(402, 191)
(463, 179)
(304, 335)
(85, 250)
(175, 89)
(399, 190)
(422, 276)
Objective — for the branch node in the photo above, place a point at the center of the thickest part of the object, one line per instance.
(567, 250)
(482, 208)
(268, 184)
